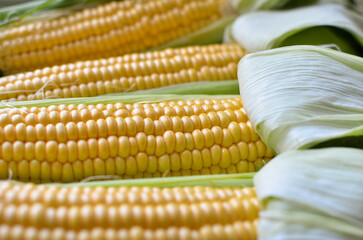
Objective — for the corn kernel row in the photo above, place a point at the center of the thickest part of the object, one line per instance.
(77, 80)
(238, 230)
(125, 146)
(36, 212)
(131, 127)
(62, 143)
(136, 13)
(154, 110)
(57, 196)
(195, 162)
(210, 54)
(132, 26)
(169, 60)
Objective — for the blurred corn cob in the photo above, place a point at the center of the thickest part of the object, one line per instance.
(110, 29)
(125, 74)
(50, 212)
(128, 138)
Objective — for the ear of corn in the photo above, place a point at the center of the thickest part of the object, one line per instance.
(125, 74)
(80, 212)
(70, 142)
(110, 29)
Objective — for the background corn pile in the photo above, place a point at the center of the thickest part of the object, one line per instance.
(124, 119)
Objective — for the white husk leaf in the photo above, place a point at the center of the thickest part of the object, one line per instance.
(296, 97)
(263, 30)
(312, 194)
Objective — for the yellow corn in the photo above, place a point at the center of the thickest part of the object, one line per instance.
(49, 212)
(111, 29)
(141, 140)
(125, 74)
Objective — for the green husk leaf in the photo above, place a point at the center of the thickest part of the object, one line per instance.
(124, 98)
(320, 24)
(344, 41)
(312, 194)
(255, 5)
(244, 6)
(210, 34)
(301, 96)
(206, 87)
(358, 5)
(300, 3)
(225, 180)
(350, 141)
(12, 14)
(17, 13)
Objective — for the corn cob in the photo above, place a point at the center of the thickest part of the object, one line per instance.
(50, 212)
(140, 140)
(110, 29)
(125, 74)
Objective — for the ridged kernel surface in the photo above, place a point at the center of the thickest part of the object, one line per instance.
(49, 212)
(173, 138)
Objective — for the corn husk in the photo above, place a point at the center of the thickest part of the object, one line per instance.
(204, 36)
(223, 180)
(44, 10)
(270, 29)
(105, 99)
(301, 3)
(303, 96)
(224, 87)
(244, 6)
(359, 5)
(254, 5)
(312, 194)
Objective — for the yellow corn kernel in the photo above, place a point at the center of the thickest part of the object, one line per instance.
(72, 149)
(110, 75)
(126, 28)
(45, 212)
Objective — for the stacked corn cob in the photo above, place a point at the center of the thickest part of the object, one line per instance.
(140, 140)
(125, 73)
(111, 29)
(49, 212)
(129, 136)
